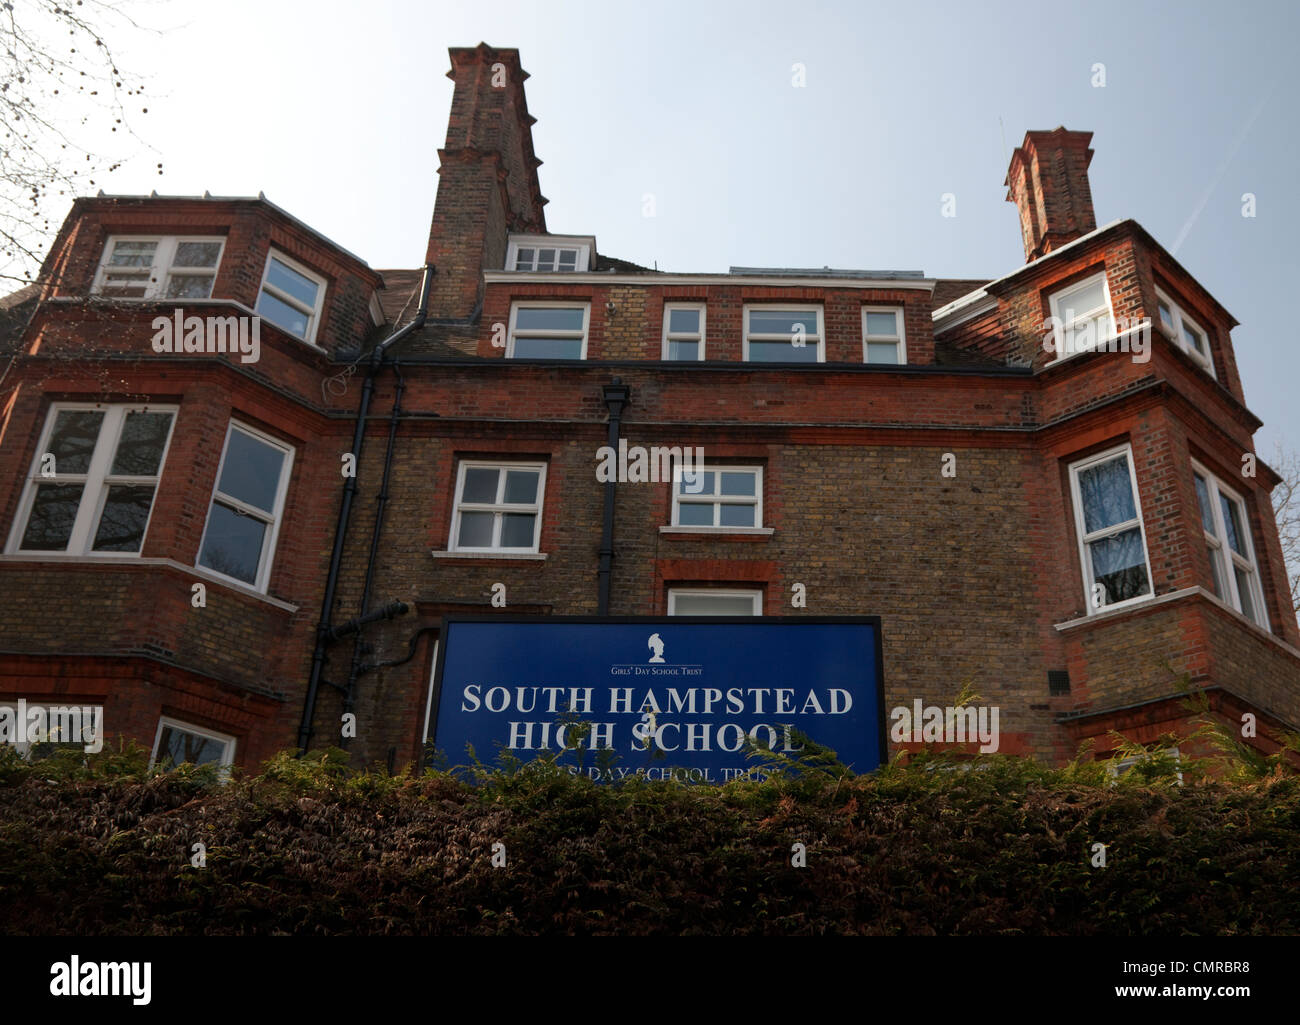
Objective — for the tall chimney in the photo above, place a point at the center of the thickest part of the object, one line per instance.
(487, 177)
(1048, 182)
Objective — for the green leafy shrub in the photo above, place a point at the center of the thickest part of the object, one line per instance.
(994, 845)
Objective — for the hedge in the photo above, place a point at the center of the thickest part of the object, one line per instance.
(309, 845)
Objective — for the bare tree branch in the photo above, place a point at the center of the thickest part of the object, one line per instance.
(1286, 507)
(59, 84)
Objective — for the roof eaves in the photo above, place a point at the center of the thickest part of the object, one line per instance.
(259, 198)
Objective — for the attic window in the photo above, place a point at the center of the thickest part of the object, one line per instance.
(158, 267)
(291, 297)
(547, 254)
(1082, 317)
(1184, 331)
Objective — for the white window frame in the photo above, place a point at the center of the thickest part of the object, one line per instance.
(96, 480)
(227, 758)
(717, 501)
(527, 304)
(163, 266)
(581, 245)
(820, 333)
(1061, 327)
(1228, 558)
(267, 558)
(313, 315)
(1118, 766)
(1178, 333)
(498, 508)
(1085, 562)
(900, 339)
(756, 596)
(683, 336)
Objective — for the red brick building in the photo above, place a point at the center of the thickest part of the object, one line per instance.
(1064, 513)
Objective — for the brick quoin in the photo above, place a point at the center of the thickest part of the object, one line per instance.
(978, 578)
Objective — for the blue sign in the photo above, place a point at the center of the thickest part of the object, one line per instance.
(673, 697)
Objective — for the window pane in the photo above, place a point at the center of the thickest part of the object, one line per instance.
(782, 352)
(287, 280)
(282, 315)
(783, 322)
(685, 321)
(1245, 591)
(1166, 315)
(129, 253)
(233, 543)
(1117, 562)
(685, 604)
(882, 352)
(53, 511)
(549, 318)
(684, 350)
(475, 530)
(1083, 335)
(737, 484)
(72, 442)
(1081, 300)
(252, 471)
(1232, 524)
(189, 286)
(122, 522)
(140, 448)
(1203, 500)
(546, 259)
(1216, 571)
(568, 259)
(1194, 337)
(521, 486)
(197, 254)
(548, 348)
(1107, 495)
(695, 514)
(736, 516)
(696, 482)
(524, 259)
(517, 530)
(176, 747)
(480, 484)
(882, 324)
(123, 286)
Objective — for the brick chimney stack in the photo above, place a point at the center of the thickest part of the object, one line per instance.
(487, 184)
(1048, 182)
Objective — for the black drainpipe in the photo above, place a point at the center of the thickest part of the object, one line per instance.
(381, 503)
(323, 629)
(616, 396)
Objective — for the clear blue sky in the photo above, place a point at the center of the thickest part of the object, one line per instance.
(335, 110)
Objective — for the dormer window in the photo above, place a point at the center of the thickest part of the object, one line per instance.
(1184, 332)
(291, 297)
(158, 267)
(548, 253)
(882, 335)
(1082, 315)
